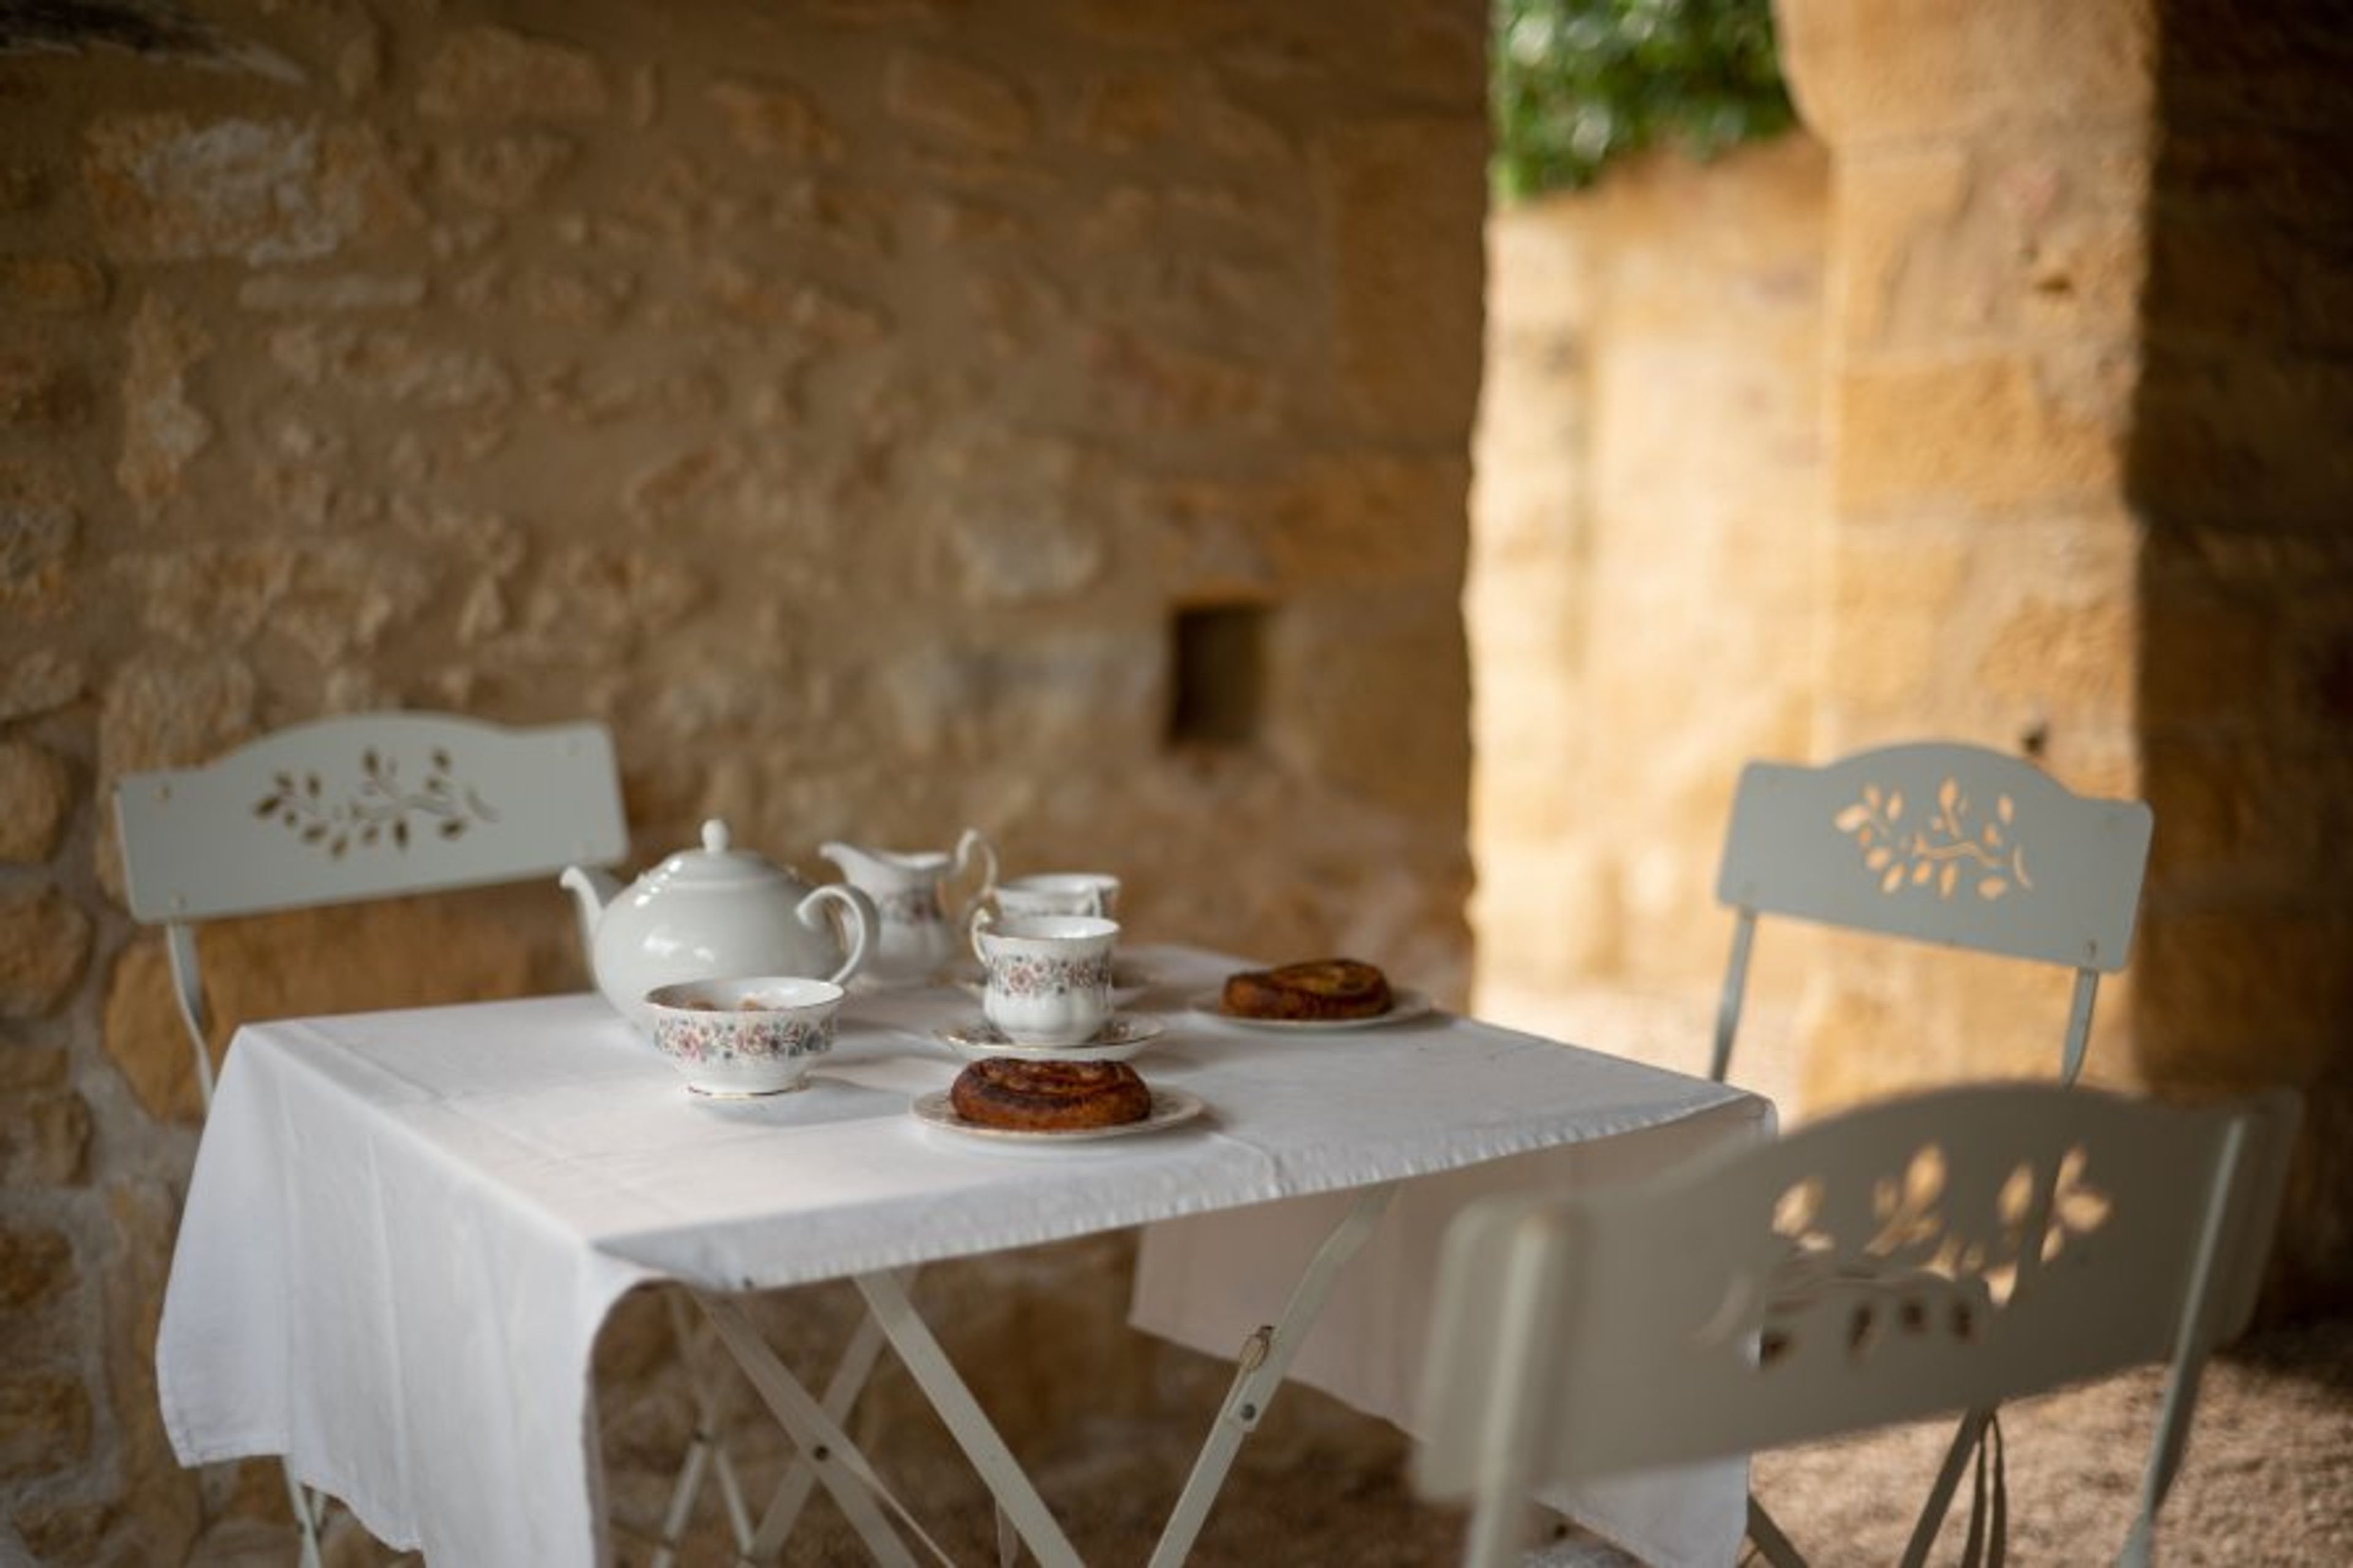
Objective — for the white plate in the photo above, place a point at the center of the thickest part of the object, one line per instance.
(1129, 980)
(1170, 1107)
(1403, 1005)
(1116, 1041)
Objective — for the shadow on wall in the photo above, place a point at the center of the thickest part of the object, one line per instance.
(2237, 468)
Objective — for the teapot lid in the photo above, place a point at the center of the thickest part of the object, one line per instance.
(717, 865)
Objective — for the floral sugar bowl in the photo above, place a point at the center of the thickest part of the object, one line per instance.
(738, 1038)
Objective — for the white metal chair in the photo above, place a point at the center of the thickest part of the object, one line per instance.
(1935, 1253)
(1936, 842)
(349, 809)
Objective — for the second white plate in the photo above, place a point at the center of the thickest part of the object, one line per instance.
(1170, 1107)
(1403, 1005)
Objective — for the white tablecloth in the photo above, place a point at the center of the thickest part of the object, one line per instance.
(405, 1228)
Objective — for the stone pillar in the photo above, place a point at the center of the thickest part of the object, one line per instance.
(2089, 393)
(1990, 190)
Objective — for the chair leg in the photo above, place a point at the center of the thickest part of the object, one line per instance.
(1965, 1437)
(1772, 1543)
(306, 1516)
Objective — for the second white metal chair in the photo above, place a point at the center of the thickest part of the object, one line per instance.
(1936, 842)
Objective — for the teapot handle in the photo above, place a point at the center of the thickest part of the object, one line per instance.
(976, 843)
(859, 920)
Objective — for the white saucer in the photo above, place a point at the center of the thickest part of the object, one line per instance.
(1170, 1107)
(1403, 1005)
(1124, 1035)
(1129, 980)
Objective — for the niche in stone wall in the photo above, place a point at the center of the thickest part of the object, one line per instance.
(1216, 664)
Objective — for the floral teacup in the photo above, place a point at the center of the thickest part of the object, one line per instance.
(1046, 978)
(741, 1037)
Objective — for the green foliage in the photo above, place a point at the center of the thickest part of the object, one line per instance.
(1578, 83)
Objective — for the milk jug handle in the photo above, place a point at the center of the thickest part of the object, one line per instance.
(975, 846)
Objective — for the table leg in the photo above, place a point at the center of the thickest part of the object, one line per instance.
(849, 1375)
(835, 1458)
(937, 1377)
(707, 1450)
(1265, 1357)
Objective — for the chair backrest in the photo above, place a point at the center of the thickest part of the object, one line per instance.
(1936, 1253)
(360, 806)
(1936, 842)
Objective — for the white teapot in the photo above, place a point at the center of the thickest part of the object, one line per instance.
(710, 912)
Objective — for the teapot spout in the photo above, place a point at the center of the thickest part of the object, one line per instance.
(591, 889)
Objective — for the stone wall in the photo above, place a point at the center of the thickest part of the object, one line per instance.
(862, 406)
(2240, 466)
(1646, 580)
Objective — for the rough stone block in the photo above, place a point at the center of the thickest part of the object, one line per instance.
(1406, 312)
(2244, 994)
(45, 1141)
(164, 187)
(36, 801)
(393, 364)
(2207, 658)
(340, 291)
(1154, 385)
(37, 539)
(1992, 430)
(2071, 655)
(960, 100)
(162, 430)
(2237, 814)
(1893, 600)
(37, 392)
(45, 940)
(769, 119)
(1404, 642)
(508, 172)
(497, 74)
(37, 1266)
(53, 284)
(1869, 71)
(44, 1422)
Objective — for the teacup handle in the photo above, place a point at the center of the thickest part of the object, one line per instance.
(860, 919)
(982, 917)
(976, 843)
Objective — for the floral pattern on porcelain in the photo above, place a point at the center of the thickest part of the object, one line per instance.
(910, 906)
(721, 1040)
(1017, 975)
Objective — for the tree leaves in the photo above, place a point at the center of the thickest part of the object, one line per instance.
(1578, 84)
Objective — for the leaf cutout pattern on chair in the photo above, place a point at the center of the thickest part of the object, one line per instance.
(1928, 1249)
(379, 813)
(1949, 848)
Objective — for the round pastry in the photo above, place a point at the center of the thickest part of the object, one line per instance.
(1322, 988)
(1048, 1097)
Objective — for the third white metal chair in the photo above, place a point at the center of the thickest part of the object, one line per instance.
(350, 809)
(1941, 1252)
(1936, 842)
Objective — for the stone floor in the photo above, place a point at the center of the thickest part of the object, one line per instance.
(2268, 1479)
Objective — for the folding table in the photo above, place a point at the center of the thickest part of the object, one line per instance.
(405, 1228)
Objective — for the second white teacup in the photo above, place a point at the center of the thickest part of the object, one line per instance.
(1046, 979)
(1058, 893)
